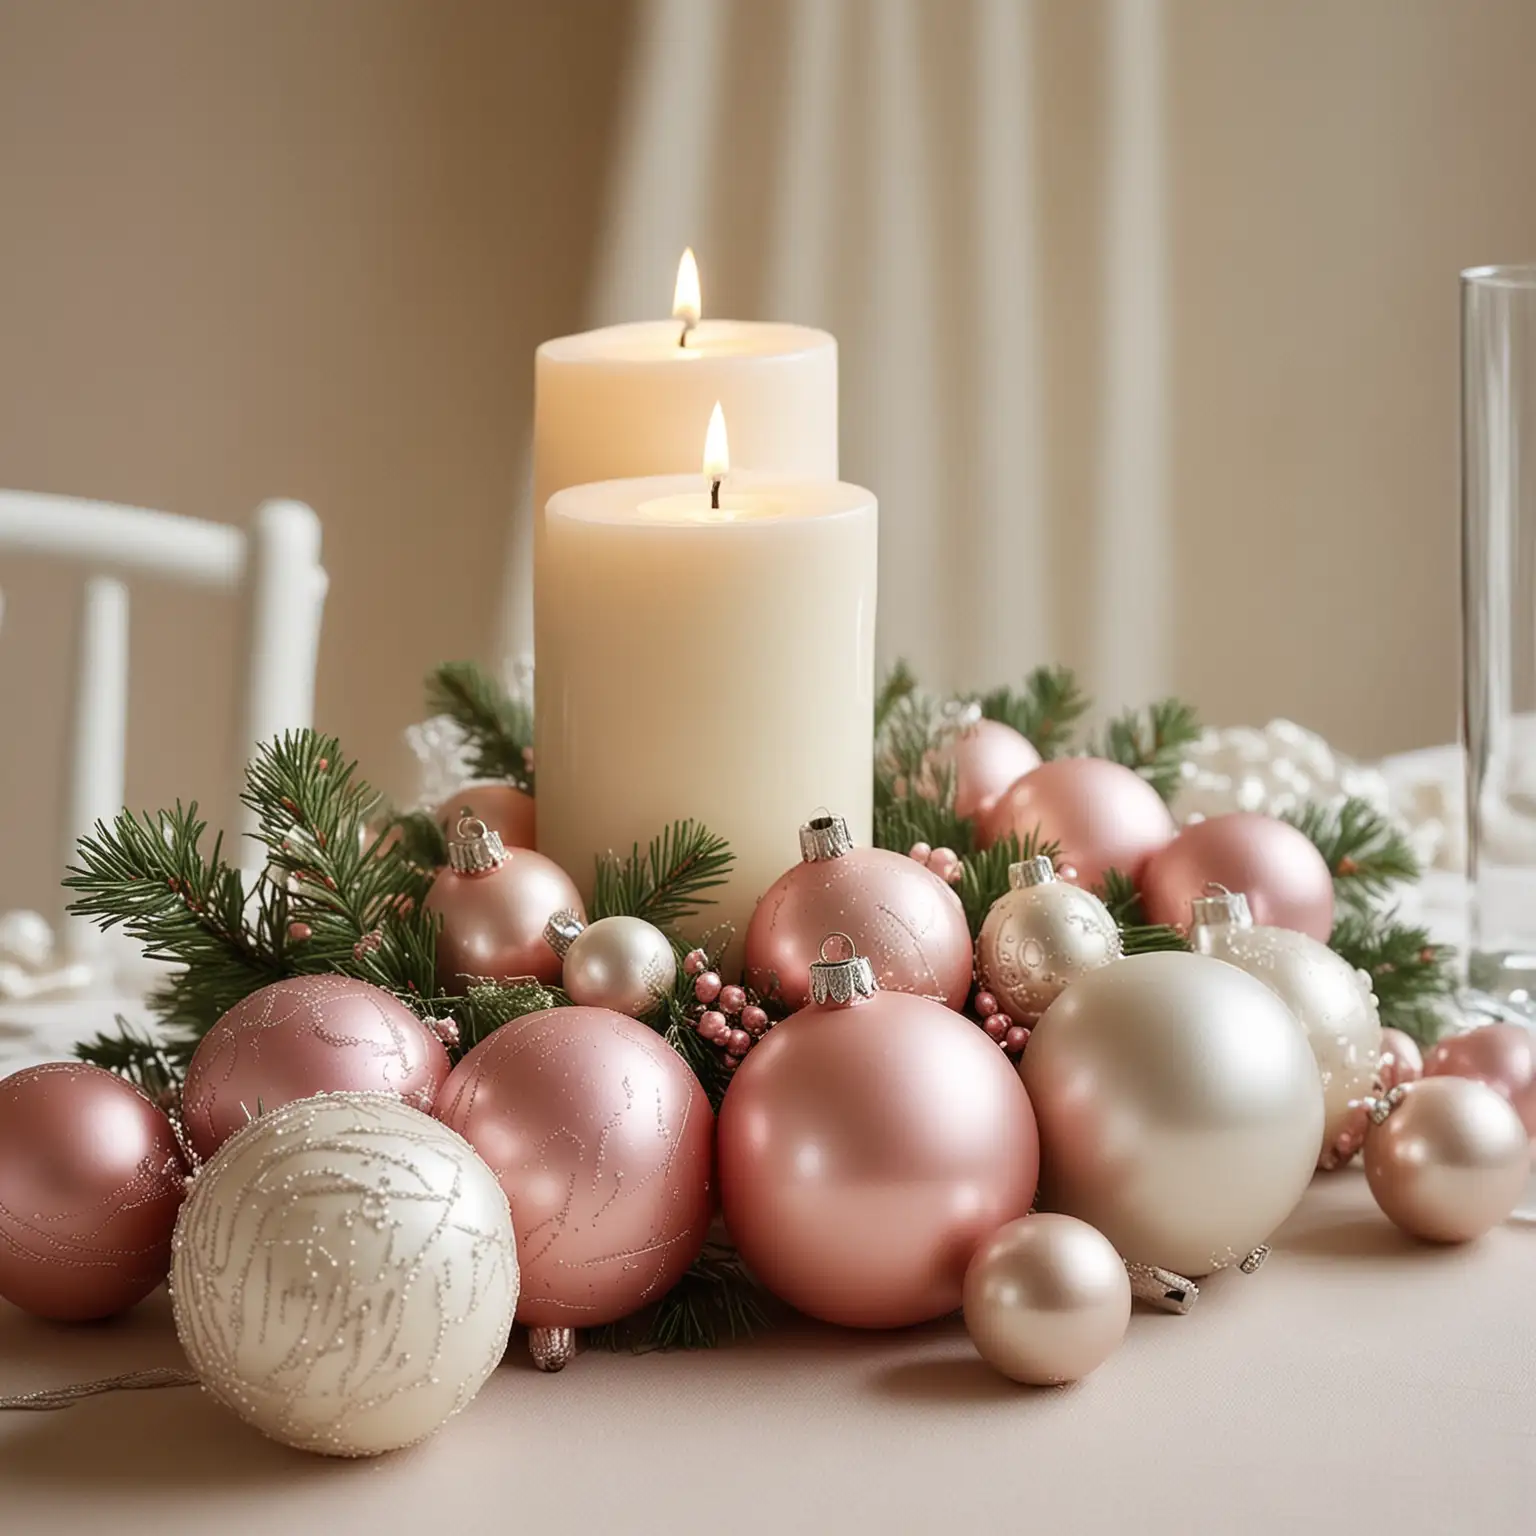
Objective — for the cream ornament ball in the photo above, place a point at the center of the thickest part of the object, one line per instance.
(1180, 1109)
(1333, 1001)
(344, 1274)
(624, 964)
(1040, 935)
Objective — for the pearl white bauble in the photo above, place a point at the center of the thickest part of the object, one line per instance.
(1333, 1001)
(622, 963)
(1179, 1106)
(344, 1274)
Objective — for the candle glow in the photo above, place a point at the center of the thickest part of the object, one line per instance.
(687, 303)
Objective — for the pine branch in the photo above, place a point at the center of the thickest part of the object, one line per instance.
(1046, 709)
(1413, 977)
(422, 842)
(157, 1067)
(899, 823)
(1154, 746)
(715, 1299)
(898, 684)
(498, 729)
(150, 875)
(666, 883)
(1365, 850)
(984, 873)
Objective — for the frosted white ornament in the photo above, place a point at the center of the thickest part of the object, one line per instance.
(1040, 935)
(1333, 1001)
(622, 963)
(344, 1274)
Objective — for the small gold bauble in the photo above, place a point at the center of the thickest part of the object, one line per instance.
(1038, 937)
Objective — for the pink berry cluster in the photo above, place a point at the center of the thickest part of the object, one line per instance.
(1012, 1037)
(728, 1018)
(944, 862)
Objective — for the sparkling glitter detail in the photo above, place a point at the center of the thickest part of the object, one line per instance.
(1255, 1260)
(1038, 938)
(344, 1274)
(49, 1399)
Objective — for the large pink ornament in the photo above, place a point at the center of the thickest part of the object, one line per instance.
(602, 1139)
(302, 1036)
(1286, 880)
(90, 1183)
(1104, 816)
(867, 1146)
(495, 904)
(986, 758)
(1500, 1055)
(903, 917)
(504, 808)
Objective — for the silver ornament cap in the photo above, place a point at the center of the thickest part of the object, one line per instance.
(1031, 872)
(825, 837)
(1220, 908)
(475, 849)
(841, 981)
(562, 930)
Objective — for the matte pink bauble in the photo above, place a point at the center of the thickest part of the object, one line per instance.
(1286, 880)
(504, 808)
(906, 920)
(602, 1139)
(986, 758)
(1103, 815)
(90, 1183)
(1500, 1055)
(495, 903)
(866, 1149)
(302, 1036)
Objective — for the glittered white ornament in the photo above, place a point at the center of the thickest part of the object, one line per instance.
(624, 964)
(1332, 1000)
(1039, 936)
(344, 1274)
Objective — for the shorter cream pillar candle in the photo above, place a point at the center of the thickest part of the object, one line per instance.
(708, 663)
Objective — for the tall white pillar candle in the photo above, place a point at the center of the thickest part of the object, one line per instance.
(630, 400)
(708, 663)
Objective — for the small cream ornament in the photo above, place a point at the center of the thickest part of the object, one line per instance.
(624, 964)
(344, 1274)
(1333, 1001)
(1039, 936)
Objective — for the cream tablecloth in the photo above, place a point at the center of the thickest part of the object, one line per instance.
(1357, 1382)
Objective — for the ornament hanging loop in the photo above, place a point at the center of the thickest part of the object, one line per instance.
(1220, 908)
(841, 981)
(1031, 872)
(562, 930)
(552, 1349)
(825, 837)
(1162, 1288)
(474, 848)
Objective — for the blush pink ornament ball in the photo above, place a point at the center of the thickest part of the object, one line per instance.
(1103, 815)
(906, 920)
(1286, 880)
(1401, 1059)
(866, 1149)
(90, 1183)
(504, 808)
(302, 1036)
(602, 1140)
(1500, 1055)
(986, 757)
(494, 903)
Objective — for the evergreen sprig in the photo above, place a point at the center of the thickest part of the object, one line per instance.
(984, 873)
(1153, 742)
(1413, 977)
(716, 1299)
(897, 684)
(498, 729)
(156, 1066)
(487, 1005)
(1046, 709)
(1366, 852)
(1138, 936)
(665, 883)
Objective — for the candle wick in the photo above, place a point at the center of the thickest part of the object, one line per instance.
(682, 340)
(714, 494)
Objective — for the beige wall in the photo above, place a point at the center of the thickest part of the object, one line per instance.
(306, 247)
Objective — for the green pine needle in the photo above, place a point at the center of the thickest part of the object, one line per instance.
(984, 873)
(155, 1066)
(715, 1301)
(422, 841)
(897, 684)
(487, 1005)
(666, 883)
(498, 729)
(1413, 977)
(1153, 742)
(1046, 709)
(1366, 852)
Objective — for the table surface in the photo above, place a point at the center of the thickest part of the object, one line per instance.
(1359, 1380)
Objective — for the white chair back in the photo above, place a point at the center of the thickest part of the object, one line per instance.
(274, 565)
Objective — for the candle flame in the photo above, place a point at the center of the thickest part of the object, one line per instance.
(687, 305)
(717, 447)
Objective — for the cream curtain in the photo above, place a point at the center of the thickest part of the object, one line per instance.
(874, 167)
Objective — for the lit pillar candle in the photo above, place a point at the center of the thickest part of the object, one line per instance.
(629, 399)
(713, 662)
